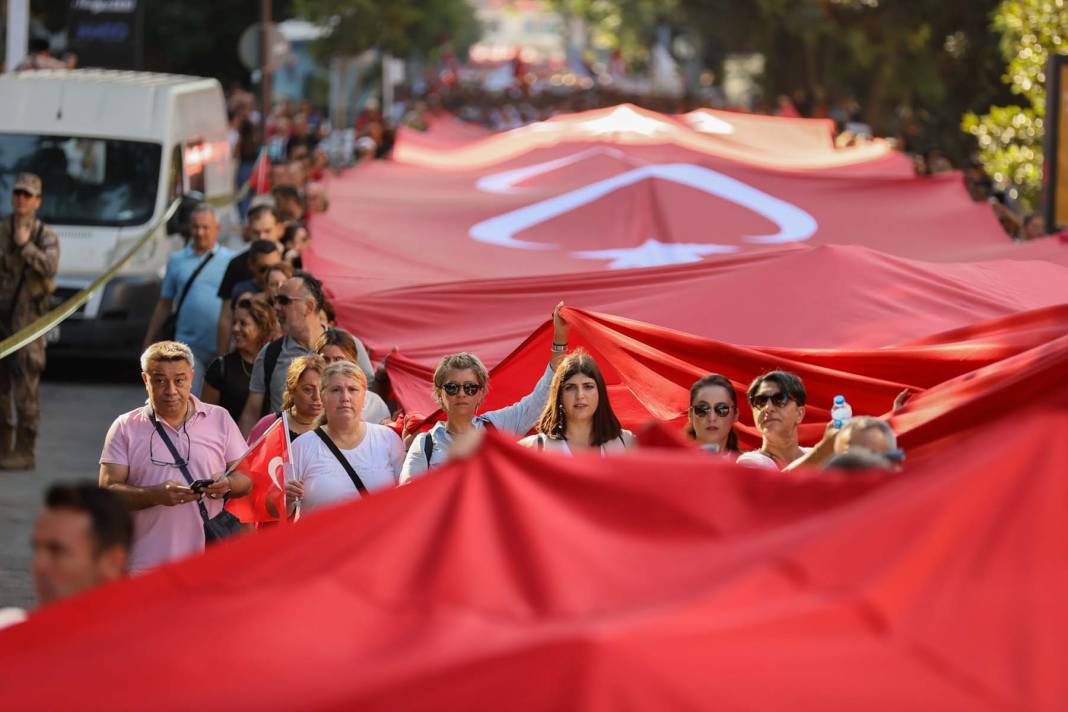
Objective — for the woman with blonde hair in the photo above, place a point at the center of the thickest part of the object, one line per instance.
(345, 456)
(578, 415)
(301, 400)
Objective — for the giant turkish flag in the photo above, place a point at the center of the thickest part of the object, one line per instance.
(623, 188)
(755, 230)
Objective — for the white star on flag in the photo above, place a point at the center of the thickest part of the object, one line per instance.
(653, 253)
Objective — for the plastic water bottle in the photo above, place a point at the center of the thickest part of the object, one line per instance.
(841, 411)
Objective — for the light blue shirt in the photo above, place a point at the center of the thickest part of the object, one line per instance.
(517, 418)
(198, 321)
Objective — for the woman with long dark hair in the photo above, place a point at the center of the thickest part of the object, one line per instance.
(578, 415)
(713, 413)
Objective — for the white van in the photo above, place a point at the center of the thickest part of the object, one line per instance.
(113, 149)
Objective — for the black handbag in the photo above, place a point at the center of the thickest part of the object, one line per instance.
(169, 329)
(222, 525)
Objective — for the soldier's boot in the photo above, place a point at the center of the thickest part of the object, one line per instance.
(22, 456)
(7, 437)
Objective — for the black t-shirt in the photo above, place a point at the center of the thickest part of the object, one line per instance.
(229, 375)
(237, 271)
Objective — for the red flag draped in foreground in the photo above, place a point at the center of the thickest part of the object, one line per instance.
(960, 377)
(656, 580)
(264, 464)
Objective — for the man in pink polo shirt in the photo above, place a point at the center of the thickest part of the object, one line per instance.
(139, 466)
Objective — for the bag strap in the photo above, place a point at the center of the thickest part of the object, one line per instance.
(428, 447)
(541, 441)
(341, 458)
(189, 282)
(428, 439)
(270, 362)
(179, 462)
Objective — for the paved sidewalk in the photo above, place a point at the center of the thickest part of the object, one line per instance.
(74, 419)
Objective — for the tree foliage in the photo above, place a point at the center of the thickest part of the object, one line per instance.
(400, 27)
(913, 66)
(1010, 137)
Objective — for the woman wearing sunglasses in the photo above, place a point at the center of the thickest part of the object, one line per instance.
(713, 413)
(460, 384)
(579, 415)
(226, 382)
(778, 402)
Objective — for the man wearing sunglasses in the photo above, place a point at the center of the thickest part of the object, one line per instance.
(297, 306)
(778, 402)
(29, 259)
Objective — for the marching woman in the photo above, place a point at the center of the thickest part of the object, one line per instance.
(460, 384)
(578, 415)
(713, 413)
(226, 382)
(300, 401)
(345, 457)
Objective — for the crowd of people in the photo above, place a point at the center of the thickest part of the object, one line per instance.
(243, 335)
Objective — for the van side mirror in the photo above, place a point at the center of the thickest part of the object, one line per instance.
(179, 222)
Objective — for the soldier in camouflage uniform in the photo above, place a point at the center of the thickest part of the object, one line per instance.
(29, 258)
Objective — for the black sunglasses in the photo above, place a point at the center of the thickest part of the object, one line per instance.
(285, 300)
(776, 399)
(721, 409)
(243, 303)
(23, 193)
(452, 388)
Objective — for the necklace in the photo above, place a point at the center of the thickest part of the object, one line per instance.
(293, 416)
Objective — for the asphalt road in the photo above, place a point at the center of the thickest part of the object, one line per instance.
(78, 403)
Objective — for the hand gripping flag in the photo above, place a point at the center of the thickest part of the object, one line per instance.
(264, 464)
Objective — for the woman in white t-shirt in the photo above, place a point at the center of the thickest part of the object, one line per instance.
(345, 457)
(578, 415)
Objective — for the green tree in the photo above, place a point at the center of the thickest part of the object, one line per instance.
(1010, 137)
(401, 27)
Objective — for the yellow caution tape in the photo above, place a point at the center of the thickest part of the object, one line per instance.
(29, 334)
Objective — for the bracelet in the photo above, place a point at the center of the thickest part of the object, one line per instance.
(559, 348)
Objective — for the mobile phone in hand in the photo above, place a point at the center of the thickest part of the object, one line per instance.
(199, 486)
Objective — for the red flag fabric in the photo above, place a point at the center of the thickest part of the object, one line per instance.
(260, 180)
(663, 579)
(960, 378)
(265, 464)
(625, 188)
(826, 297)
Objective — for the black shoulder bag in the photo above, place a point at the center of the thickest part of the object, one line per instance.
(222, 525)
(169, 330)
(428, 441)
(341, 458)
(270, 362)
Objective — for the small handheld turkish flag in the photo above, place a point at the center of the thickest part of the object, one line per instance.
(260, 180)
(264, 464)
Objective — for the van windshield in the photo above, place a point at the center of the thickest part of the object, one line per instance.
(86, 181)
